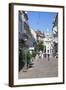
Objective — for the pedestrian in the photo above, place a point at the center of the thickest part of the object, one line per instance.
(48, 55)
(45, 55)
(40, 54)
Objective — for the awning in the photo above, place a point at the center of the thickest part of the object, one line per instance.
(31, 48)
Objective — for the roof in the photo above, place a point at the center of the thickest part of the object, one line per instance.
(40, 34)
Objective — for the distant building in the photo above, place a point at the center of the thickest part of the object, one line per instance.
(48, 43)
(40, 36)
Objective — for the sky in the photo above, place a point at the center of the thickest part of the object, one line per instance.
(41, 20)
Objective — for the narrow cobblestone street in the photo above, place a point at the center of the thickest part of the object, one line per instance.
(41, 68)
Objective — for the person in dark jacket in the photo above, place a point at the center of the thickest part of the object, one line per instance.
(48, 55)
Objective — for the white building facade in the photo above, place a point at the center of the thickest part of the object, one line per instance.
(48, 43)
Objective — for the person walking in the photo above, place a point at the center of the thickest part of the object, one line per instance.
(40, 54)
(48, 55)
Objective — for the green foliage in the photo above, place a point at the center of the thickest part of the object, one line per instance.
(34, 54)
(40, 46)
(29, 56)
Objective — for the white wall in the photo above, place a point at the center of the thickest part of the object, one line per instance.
(4, 45)
(33, 33)
(47, 43)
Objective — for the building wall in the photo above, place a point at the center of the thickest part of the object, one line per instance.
(55, 28)
(55, 35)
(48, 44)
(25, 32)
(33, 34)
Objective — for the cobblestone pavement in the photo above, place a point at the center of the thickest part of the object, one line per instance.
(41, 68)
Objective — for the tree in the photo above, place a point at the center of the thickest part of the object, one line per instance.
(40, 46)
(28, 57)
(33, 54)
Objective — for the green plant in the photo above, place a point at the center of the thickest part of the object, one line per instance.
(40, 46)
(29, 56)
(33, 54)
